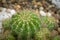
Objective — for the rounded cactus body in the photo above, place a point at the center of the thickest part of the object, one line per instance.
(9, 37)
(48, 21)
(43, 34)
(6, 24)
(26, 23)
(56, 37)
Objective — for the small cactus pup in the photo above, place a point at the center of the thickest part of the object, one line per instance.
(6, 24)
(56, 37)
(25, 23)
(50, 22)
(43, 34)
(8, 35)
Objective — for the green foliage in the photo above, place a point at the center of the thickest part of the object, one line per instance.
(25, 23)
(43, 34)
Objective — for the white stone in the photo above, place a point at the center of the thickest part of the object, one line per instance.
(56, 2)
(41, 8)
(49, 14)
(4, 14)
(12, 11)
(42, 13)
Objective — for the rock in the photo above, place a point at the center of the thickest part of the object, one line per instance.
(3, 1)
(42, 13)
(59, 30)
(5, 14)
(49, 13)
(53, 33)
(56, 2)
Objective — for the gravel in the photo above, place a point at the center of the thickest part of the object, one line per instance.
(4, 14)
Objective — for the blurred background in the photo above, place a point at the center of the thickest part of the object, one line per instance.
(40, 7)
(52, 6)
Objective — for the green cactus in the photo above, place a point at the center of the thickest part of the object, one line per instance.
(56, 37)
(43, 34)
(9, 37)
(48, 21)
(25, 23)
(6, 24)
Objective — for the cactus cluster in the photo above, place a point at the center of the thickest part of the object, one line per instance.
(25, 23)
